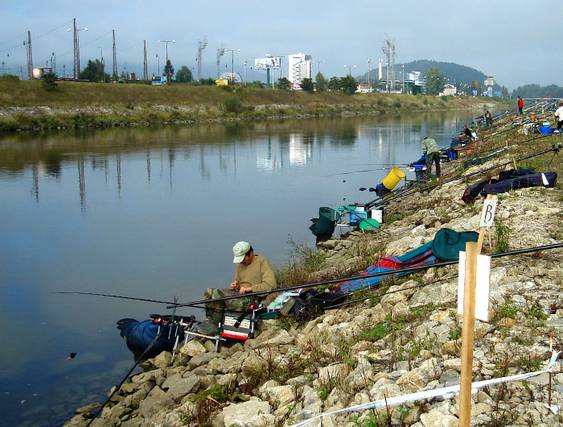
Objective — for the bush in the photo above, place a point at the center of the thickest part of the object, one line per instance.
(50, 81)
(233, 105)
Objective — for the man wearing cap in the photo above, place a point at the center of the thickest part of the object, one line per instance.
(253, 273)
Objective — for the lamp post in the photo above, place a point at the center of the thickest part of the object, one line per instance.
(350, 69)
(245, 63)
(369, 73)
(166, 43)
(158, 64)
(103, 65)
(232, 63)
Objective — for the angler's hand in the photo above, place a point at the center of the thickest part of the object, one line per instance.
(235, 285)
(244, 290)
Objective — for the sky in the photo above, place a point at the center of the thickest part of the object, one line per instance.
(516, 41)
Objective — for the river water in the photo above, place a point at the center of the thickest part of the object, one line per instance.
(153, 213)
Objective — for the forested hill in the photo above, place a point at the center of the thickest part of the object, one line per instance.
(537, 91)
(453, 72)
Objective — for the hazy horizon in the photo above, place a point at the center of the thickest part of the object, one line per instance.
(497, 39)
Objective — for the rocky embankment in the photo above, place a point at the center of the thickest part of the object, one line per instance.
(402, 338)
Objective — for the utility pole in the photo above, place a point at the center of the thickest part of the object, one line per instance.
(369, 73)
(245, 63)
(202, 44)
(75, 41)
(220, 53)
(166, 43)
(114, 64)
(29, 56)
(145, 64)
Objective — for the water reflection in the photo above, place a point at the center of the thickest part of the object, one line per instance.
(276, 145)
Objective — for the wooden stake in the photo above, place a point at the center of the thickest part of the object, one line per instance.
(472, 250)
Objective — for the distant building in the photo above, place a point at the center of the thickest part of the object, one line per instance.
(299, 68)
(489, 81)
(448, 90)
(364, 88)
(417, 78)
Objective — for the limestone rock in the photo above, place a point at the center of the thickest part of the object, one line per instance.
(332, 372)
(435, 418)
(193, 348)
(254, 413)
(417, 378)
(156, 400)
(162, 360)
(281, 395)
(178, 387)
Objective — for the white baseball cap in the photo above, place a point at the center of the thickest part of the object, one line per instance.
(239, 250)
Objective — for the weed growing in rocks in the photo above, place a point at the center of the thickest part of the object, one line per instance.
(505, 310)
(303, 261)
(502, 236)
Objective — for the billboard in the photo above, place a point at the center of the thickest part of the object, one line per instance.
(270, 62)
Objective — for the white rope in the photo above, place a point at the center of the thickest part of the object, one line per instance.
(429, 394)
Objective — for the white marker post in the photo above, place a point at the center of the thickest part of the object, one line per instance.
(472, 251)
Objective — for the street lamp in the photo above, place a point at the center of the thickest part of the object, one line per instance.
(350, 69)
(166, 43)
(232, 62)
(103, 65)
(158, 64)
(245, 63)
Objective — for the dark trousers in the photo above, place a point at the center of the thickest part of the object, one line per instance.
(520, 109)
(433, 157)
(560, 124)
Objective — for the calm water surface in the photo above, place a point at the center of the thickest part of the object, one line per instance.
(154, 213)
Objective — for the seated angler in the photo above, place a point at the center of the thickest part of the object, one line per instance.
(253, 273)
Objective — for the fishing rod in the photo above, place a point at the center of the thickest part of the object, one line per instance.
(366, 276)
(366, 170)
(380, 202)
(113, 296)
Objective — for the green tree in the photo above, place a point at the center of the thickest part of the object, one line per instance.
(169, 70)
(284, 84)
(348, 85)
(307, 85)
(184, 75)
(321, 82)
(334, 84)
(94, 72)
(49, 81)
(435, 81)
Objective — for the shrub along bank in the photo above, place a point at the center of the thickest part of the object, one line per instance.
(29, 105)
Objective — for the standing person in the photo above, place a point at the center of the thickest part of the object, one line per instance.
(432, 153)
(520, 105)
(253, 273)
(559, 115)
(488, 118)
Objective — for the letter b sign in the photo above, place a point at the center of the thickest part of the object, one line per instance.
(488, 213)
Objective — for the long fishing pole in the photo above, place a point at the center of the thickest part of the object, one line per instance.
(116, 296)
(366, 276)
